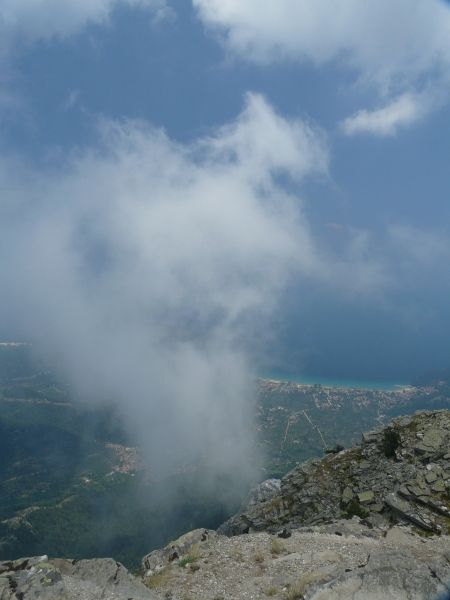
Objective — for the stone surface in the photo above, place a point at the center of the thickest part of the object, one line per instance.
(366, 497)
(389, 479)
(392, 544)
(44, 579)
(159, 559)
(390, 492)
(340, 561)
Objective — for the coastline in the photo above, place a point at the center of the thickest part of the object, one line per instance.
(309, 382)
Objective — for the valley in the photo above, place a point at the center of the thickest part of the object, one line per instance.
(73, 484)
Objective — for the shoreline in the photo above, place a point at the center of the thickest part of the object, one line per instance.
(344, 385)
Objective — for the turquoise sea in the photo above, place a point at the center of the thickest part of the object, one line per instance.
(337, 383)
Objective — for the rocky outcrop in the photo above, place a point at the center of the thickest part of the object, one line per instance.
(39, 577)
(183, 547)
(399, 474)
(342, 561)
(367, 523)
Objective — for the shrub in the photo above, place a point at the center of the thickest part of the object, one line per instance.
(192, 557)
(297, 590)
(354, 508)
(271, 591)
(391, 441)
(276, 546)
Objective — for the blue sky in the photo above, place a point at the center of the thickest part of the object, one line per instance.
(326, 189)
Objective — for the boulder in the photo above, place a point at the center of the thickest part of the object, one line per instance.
(159, 559)
(60, 579)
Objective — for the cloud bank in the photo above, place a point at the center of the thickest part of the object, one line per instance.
(399, 49)
(142, 265)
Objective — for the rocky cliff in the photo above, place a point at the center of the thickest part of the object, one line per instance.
(44, 579)
(400, 474)
(367, 523)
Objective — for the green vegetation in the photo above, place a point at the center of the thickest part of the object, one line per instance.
(298, 422)
(191, 557)
(391, 441)
(62, 493)
(354, 509)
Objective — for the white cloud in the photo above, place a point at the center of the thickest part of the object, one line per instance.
(43, 19)
(292, 146)
(399, 48)
(401, 112)
(140, 267)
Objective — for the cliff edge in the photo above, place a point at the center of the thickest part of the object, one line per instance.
(398, 475)
(366, 523)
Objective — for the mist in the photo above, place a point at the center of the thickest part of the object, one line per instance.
(164, 278)
(141, 269)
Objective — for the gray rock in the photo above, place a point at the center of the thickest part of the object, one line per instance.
(32, 578)
(371, 437)
(342, 561)
(387, 575)
(386, 479)
(366, 497)
(438, 486)
(266, 490)
(407, 512)
(434, 438)
(431, 476)
(158, 559)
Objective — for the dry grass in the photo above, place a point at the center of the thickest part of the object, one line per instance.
(271, 591)
(277, 547)
(191, 557)
(297, 590)
(158, 579)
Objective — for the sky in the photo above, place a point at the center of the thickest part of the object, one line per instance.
(193, 192)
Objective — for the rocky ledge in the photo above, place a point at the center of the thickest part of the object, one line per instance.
(368, 523)
(399, 474)
(342, 561)
(57, 579)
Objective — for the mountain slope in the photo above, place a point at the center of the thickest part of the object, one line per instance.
(290, 540)
(398, 474)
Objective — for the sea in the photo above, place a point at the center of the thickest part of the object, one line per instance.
(337, 383)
